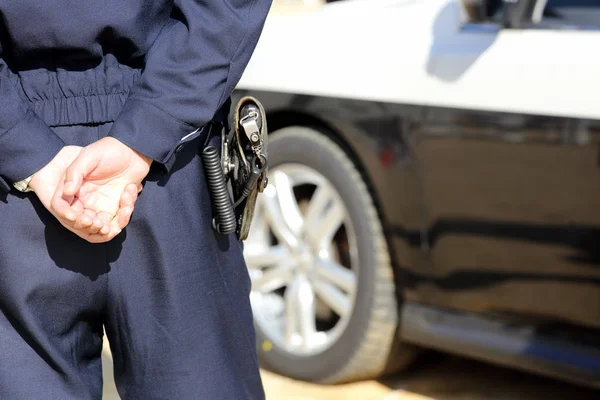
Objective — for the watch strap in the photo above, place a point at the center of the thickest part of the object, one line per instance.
(23, 186)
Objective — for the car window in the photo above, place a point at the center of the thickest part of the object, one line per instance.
(579, 14)
(484, 11)
(552, 14)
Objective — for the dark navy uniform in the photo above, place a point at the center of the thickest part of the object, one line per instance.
(172, 293)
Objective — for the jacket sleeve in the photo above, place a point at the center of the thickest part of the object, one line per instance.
(26, 143)
(190, 72)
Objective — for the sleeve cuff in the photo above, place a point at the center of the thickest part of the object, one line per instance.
(26, 148)
(152, 132)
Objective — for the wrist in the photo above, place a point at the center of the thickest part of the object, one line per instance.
(36, 181)
(57, 165)
(147, 160)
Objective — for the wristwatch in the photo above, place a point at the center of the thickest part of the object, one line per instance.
(23, 186)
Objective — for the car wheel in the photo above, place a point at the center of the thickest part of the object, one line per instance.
(323, 293)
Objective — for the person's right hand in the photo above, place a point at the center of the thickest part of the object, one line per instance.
(81, 220)
(98, 177)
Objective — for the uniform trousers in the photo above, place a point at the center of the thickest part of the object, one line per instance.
(172, 294)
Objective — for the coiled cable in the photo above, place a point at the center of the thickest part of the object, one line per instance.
(225, 221)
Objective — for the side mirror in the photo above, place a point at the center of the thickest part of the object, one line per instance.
(518, 12)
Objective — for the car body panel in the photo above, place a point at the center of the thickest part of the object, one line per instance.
(487, 212)
(424, 52)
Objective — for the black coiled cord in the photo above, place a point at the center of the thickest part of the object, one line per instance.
(225, 221)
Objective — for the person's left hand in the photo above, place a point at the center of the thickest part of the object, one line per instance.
(98, 178)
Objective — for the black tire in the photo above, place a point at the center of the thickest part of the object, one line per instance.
(364, 349)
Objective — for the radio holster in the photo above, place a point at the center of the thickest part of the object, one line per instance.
(237, 171)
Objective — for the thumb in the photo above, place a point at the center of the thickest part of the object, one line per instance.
(83, 165)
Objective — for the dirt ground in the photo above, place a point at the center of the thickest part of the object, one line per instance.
(437, 377)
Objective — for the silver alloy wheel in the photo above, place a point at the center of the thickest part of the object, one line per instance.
(302, 259)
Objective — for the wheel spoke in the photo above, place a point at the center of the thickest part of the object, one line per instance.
(317, 205)
(291, 314)
(323, 232)
(275, 218)
(273, 279)
(334, 298)
(307, 313)
(287, 202)
(336, 274)
(272, 256)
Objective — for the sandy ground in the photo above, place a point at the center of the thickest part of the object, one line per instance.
(436, 378)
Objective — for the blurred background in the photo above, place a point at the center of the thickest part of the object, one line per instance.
(431, 227)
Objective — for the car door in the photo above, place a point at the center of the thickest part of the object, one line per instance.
(510, 161)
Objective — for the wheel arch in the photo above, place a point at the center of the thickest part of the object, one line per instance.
(283, 118)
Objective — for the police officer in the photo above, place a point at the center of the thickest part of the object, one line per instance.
(100, 100)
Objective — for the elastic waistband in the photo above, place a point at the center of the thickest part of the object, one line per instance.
(64, 97)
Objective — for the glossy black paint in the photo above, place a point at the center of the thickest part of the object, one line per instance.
(490, 213)
(517, 345)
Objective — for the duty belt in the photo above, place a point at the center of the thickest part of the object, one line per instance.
(237, 172)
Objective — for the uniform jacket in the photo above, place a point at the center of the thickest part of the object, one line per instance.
(158, 69)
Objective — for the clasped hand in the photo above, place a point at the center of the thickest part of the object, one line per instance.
(92, 190)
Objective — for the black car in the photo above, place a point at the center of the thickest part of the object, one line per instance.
(434, 183)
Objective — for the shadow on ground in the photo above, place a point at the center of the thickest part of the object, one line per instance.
(433, 377)
(442, 377)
